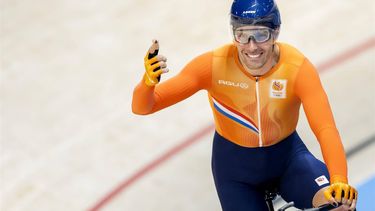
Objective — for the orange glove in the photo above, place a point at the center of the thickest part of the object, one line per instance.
(341, 192)
(155, 65)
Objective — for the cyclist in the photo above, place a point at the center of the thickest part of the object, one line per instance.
(255, 87)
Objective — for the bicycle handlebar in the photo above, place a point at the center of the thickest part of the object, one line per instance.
(325, 207)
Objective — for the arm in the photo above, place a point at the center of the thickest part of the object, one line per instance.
(315, 103)
(195, 76)
(318, 111)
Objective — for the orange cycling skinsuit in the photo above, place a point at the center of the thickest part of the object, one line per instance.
(254, 111)
(255, 142)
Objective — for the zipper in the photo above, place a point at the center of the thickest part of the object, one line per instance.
(258, 110)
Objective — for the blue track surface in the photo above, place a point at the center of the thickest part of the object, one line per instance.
(366, 194)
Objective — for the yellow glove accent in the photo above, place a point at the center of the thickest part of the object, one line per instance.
(153, 65)
(340, 191)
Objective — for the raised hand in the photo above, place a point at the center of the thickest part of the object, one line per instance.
(155, 65)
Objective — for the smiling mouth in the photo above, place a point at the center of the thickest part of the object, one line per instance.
(253, 55)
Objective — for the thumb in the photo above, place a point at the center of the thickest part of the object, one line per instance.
(153, 50)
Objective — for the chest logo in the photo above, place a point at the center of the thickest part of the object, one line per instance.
(278, 89)
(233, 84)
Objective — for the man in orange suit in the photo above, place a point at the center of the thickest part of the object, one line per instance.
(255, 87)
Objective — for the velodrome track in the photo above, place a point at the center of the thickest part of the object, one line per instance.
(69, 140)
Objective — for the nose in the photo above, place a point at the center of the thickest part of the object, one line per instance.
(252, 45)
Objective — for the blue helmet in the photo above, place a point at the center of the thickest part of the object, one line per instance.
(255, 12)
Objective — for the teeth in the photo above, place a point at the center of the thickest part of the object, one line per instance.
(253, 56)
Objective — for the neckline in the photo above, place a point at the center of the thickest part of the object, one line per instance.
(272, 70)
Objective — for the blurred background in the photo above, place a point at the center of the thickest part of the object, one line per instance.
(69, 140)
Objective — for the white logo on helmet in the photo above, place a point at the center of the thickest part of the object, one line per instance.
(249, 11)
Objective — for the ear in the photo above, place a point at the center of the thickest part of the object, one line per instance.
(276, 33)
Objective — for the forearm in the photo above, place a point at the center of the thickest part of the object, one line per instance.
(195, 76)
(143, 99)
(333, 154)
(147, 100)
(322, 123)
